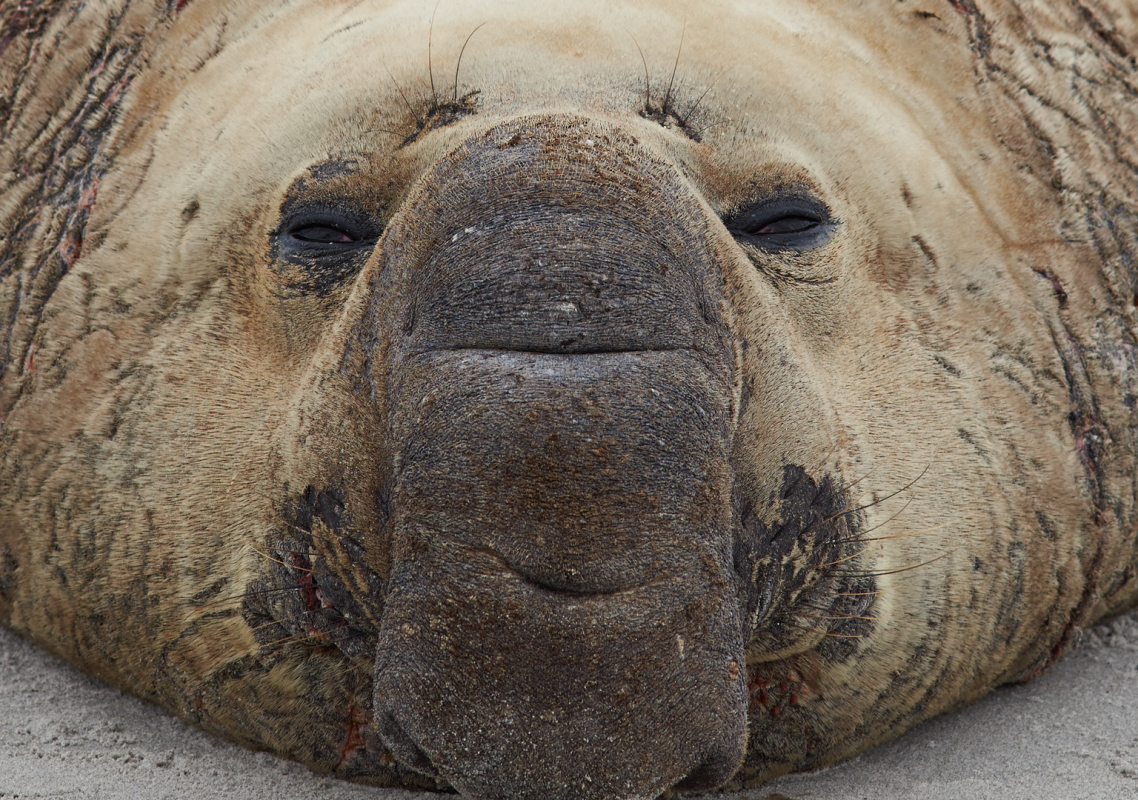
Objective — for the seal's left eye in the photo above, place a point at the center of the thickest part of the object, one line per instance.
(791, 224)
(322, 234)
(782, 223)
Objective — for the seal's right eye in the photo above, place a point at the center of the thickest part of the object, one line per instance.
(322, 234)
(318, 247)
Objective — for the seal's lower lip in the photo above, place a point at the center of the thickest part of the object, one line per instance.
(505, 690)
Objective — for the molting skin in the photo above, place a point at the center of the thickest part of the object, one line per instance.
(599, 415)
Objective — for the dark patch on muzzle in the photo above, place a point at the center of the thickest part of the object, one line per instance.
(319, 589)
(563, 617)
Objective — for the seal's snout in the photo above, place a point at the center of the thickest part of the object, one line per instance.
(563, 618)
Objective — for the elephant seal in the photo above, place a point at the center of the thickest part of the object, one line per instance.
(589, 404)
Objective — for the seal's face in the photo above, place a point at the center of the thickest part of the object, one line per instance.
(549, 434)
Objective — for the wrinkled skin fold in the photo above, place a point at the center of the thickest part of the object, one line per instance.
(484, 398)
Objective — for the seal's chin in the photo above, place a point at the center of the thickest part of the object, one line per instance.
(508, 690)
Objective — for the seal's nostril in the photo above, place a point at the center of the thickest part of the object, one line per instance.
(403, 747)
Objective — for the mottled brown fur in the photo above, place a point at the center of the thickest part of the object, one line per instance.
(562, 488)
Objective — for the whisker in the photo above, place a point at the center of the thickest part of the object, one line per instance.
(306, 531)
(898, 569)
(813, 471)
(881, 500)
(269, 590)
(857, 594)
(430, 65)
(291, 566)
(352, 667)
(418, 120)
(843, 559)
(285, 520)
(911, 533)
(684, 122)
(647, 83)
(827, 633)
(675, 66)
(859, 538)
(841, 617)
(872, 470)
(823, 610)
(459, 64)
(886, 522)
(292, 637)
(222, 601)
(699, 133)
(300, 637)
(274, 621)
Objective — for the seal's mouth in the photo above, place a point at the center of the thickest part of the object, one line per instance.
(505, 649)
(796, 587)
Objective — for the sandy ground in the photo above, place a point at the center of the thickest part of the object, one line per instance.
(1071, 735)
